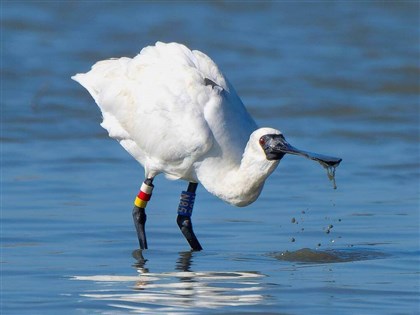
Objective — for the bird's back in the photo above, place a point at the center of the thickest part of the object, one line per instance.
(169, 107)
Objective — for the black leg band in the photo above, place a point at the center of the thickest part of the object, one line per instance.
(183, 220)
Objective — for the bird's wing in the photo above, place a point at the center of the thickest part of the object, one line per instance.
(155, 105)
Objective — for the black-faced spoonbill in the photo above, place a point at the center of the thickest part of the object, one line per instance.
(175, 112)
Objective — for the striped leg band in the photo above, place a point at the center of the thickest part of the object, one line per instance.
(144, 196)
(186, 203)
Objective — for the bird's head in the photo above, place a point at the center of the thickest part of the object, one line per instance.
(274, 146)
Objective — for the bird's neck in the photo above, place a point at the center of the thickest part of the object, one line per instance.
(239, 185)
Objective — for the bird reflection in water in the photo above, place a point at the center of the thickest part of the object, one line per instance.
(176, 291)
(183, 264)
(184, 261)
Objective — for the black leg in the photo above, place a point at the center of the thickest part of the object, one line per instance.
(139, 213)
(139, 217)
(185, 208)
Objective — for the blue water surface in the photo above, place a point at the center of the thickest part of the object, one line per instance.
(340, 78)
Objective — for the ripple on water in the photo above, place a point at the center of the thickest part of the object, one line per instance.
(307, 255)
(177, 292)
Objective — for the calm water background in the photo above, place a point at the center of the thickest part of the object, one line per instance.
(340, 78)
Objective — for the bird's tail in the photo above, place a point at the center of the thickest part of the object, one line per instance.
(103, 74)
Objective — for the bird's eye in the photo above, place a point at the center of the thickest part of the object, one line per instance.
(262, 141)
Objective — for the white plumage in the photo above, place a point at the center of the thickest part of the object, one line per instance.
(163, 110)
(175, 112)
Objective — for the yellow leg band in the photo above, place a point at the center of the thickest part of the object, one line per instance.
(140, 203)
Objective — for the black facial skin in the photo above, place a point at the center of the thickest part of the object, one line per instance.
(271, 145)
(276, 146)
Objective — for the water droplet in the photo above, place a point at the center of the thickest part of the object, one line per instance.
(328, 229)
(330, 172)
(331, 175)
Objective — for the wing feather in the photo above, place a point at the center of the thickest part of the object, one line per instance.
(154, 105)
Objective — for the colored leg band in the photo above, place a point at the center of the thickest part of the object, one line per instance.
(140, 203)
(144, 196)
(186, 203)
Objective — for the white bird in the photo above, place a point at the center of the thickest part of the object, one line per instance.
(175, 112)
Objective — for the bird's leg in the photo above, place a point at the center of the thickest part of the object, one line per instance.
(139, 213)
(185, 209)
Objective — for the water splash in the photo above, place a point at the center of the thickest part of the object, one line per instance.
(330, 172)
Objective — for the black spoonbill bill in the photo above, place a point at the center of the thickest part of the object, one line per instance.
(176, 113)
